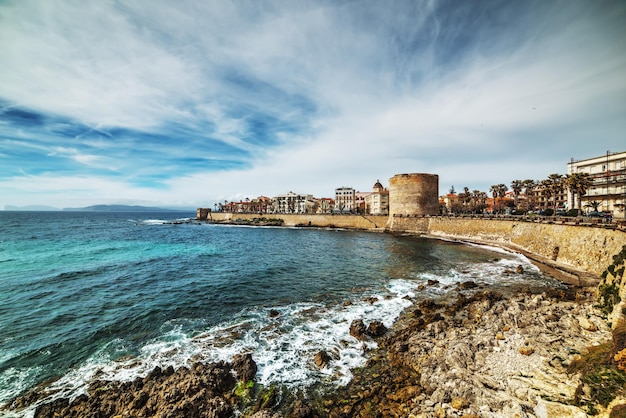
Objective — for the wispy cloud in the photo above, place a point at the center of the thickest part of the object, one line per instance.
(191, 101)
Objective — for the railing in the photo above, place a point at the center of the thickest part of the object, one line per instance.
(610, 223)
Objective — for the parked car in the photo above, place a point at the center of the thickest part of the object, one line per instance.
(596, 214)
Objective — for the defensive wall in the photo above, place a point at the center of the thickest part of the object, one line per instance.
(566, 247)
(368, 222)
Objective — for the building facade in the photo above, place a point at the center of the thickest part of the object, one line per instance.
(293, 203)
(377, 202)
(608, 189)
(345, 199)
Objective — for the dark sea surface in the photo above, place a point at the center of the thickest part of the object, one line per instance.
(112, 295)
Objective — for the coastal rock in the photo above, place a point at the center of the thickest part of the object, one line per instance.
(547, 409)
(302, 410)
(321, 359)
(358, 329)
(244, 366)
(203, 390)
(376, 329)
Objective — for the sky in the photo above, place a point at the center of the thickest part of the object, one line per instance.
(189, 103)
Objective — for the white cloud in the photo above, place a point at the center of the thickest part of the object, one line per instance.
(355, 92)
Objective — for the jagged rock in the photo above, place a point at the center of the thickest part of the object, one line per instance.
(265, 414)
(302, 410)
(274, 313)
(244, 366)
(468, 285)
(358, 329)
(376, 329)
(585, 323)
(321, 359)
(547, 409)
(199, 391)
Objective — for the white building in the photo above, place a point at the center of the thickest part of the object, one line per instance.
(377, 202)
(293, 203)
(345, 199)
(608, 173)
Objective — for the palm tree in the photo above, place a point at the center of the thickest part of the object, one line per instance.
(478, 200)
(556, 186)
(579, 183)
(517, 186)
(498, 190)
(546, 191)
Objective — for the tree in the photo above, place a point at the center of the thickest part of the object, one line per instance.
(517, 186)
(479, 201)
(498, 191)
(546, 190)
(555, 183)
(452, 191)
(579, 183)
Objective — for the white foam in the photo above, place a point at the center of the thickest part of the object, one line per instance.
(153, 221)
(283, 347)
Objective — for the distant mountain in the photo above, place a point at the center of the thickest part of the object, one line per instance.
(121, 208)
(30, 208)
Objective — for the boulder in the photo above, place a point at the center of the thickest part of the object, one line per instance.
(244, 366)
(321, 359)
(358, 329)
(376, 329)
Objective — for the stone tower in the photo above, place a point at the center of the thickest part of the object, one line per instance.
(414, 194)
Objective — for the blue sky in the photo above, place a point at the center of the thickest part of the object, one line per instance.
(188, 103)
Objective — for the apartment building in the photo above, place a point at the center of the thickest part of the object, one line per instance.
(293, 203)
(377, 202)
(608, 190)
(345, 199)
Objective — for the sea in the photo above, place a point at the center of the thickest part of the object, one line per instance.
(113, 295)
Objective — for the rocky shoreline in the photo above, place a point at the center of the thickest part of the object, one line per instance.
(476, 353)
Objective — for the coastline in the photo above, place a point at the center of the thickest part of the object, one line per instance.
(440, 359)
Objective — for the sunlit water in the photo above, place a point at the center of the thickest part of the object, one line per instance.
(114, 295)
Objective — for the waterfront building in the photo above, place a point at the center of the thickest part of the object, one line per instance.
(377, 202)
(324, 205)
(345, 199)
(359, 201)
(293, 203)
(608, 189)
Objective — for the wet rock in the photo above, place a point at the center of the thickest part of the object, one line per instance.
(302, 410)
(244, 366)
(321, 359)
(376, 329)
(468, 285)
(274, 313)
(358, 329)
(265, 414)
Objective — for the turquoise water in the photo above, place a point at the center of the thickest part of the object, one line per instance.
(117, 294)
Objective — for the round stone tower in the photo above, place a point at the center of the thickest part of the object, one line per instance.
(414, 194)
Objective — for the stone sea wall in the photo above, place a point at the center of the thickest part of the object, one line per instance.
(582, 248)
(369, 222)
